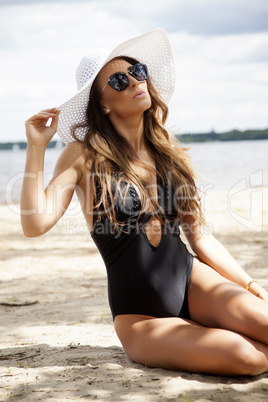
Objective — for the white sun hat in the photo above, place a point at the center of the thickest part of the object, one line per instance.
(152, 49)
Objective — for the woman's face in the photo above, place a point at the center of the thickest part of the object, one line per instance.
(132, 101)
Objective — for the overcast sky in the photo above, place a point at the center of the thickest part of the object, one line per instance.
(220, 49)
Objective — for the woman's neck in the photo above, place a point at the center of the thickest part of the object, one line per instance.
(132, 130)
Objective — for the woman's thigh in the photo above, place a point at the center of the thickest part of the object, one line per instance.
(217, 302)
(179, 344)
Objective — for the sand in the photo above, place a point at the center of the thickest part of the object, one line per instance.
(57, 336)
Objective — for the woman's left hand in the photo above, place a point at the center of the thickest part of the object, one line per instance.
(263, 295)
(258, 291)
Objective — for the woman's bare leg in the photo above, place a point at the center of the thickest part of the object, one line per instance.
(179, 344)
(216, 302)
(228, 333)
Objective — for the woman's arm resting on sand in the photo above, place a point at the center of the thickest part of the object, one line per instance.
(212, 252)
(40, 208)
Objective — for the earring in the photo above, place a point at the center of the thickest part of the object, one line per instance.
(108, 110)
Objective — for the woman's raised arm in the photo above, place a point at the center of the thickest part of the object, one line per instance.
(42, 208)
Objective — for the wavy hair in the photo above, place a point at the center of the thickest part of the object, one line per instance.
(110, 153)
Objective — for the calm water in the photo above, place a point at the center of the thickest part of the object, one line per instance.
(221, 165)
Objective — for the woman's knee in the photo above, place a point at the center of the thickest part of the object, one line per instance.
(134, 339)
(256, 322)
(135, 351)
(249, 360)
(262, 319)
(138, 350)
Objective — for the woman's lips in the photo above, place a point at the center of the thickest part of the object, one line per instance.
(138, 94)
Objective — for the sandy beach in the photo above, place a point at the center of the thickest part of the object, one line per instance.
(57, 336)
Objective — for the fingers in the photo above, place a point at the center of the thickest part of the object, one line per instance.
(53, 109)
(44, 115)
(55, 119)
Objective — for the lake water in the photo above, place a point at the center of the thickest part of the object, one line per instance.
(220, 165)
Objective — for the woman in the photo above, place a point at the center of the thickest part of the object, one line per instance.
(136, 185)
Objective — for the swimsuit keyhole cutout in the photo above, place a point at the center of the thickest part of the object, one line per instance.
(152, 228)
(153, 231)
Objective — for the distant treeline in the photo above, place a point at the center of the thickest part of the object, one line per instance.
(23, 145)
(234, 135)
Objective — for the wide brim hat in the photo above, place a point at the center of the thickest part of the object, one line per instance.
(152, 49)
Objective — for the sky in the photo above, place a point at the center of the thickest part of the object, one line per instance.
(220, 49)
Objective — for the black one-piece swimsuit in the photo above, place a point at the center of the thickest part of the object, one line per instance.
(144, 279)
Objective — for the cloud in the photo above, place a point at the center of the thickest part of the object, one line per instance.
(41, 44)
(226, 49)
(214, 17)
(84, 24)
(40, 48)
(202, 17)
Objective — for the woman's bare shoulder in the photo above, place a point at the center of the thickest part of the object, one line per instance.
(74, 154)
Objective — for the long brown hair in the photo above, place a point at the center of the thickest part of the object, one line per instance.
(109, 152)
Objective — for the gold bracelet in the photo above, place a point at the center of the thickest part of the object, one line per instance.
(250, 283)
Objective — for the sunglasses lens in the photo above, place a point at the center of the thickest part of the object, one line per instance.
(139, 72)
(118, 81)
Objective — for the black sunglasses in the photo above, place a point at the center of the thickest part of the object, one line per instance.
(120, 81)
